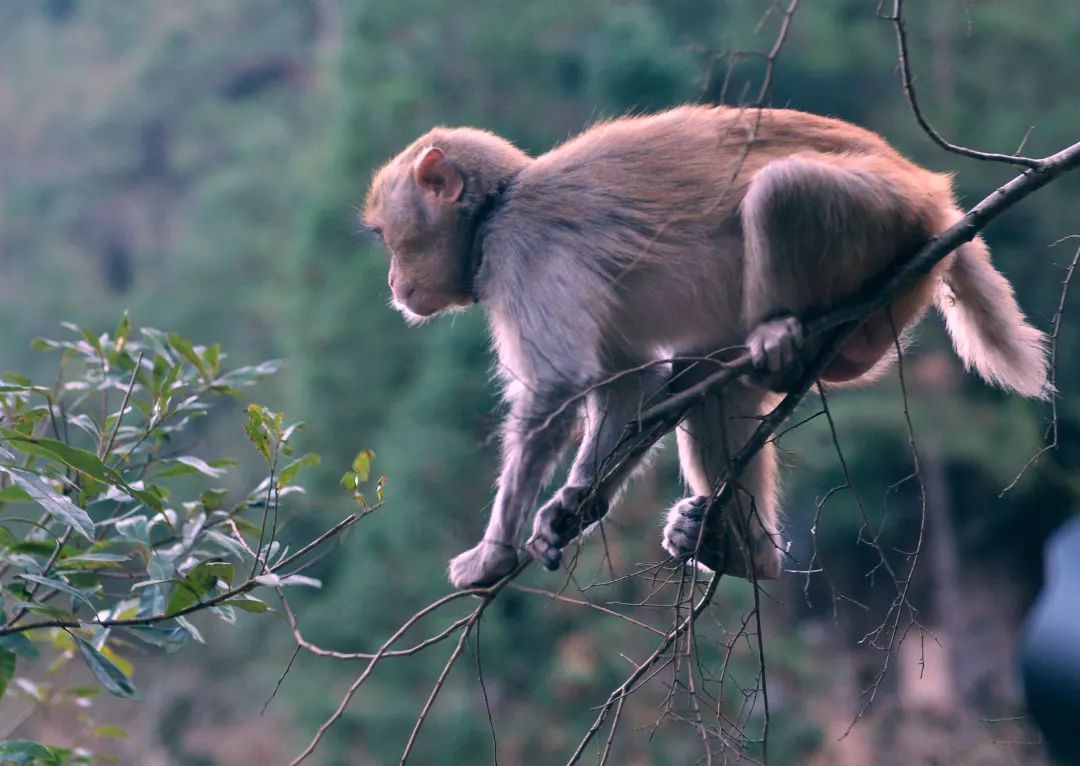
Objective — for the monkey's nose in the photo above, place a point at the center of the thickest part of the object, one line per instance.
(390, 280)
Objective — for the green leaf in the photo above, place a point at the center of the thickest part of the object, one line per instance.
(93, 340)
(110, 731)
(134, 529)
(211, 498)
(105, 671)
(289, 472)
(256, 432)
(54, 503)
(197, 583)
(212, 571)
(249, 604)
(296, 579)
(348, 481)
(122, 331)
(7, 669)
(185, 623)
(362, 465)
(52, 612)
(7, 539)
(157, 340)
(86, 423)
(18, 589)
(189, 464)
(18, 643)
(93, 561)
(17, 379)
(248, 376)
(226, 543)
(185, 349)
(10, 386)
(61, 586)
(83, 692)
(35, 547)
(81, 460)
(170, 639)
(23, 751)
(184, 595)
(213, 359)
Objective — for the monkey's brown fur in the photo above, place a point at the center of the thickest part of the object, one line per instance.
(679, 234)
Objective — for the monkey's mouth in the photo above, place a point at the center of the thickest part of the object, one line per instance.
(411, 317)
(419, 307)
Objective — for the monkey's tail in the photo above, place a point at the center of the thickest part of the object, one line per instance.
(988, 330)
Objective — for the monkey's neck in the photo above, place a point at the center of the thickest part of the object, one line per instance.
(476, 227)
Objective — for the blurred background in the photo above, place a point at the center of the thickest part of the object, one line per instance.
(199, 164)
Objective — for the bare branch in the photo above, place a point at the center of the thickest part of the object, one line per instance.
(909, 90)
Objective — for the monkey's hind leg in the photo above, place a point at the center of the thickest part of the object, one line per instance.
(817, 228)
(731, 529)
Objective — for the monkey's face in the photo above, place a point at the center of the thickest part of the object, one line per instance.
(413, 208)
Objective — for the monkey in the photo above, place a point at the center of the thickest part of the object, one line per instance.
(691, 234)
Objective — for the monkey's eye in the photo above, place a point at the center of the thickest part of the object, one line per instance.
(372, 235)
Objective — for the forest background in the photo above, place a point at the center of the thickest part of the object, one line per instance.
(198, 165)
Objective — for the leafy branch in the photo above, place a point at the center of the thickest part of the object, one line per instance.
(121, 502)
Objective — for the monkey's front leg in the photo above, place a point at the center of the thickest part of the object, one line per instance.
(531, 443)
(580, 503)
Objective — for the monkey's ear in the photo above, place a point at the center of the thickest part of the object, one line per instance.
(438, 176)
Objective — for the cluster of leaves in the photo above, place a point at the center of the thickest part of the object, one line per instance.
(353, 480)
(111, 535)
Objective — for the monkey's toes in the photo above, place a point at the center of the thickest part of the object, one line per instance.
(483, 565)
(682, 532)
(716, 547)
(545, 551)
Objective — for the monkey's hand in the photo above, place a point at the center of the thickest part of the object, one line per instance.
(485, 564)
(560, 520)
(776, 350)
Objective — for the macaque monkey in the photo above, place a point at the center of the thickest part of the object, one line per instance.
(697, 232)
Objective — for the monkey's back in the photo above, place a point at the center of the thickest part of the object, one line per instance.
(627, 208)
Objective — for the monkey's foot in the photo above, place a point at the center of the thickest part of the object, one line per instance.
(775, 347)
(560, 520)
(720, 550)
(485, 564)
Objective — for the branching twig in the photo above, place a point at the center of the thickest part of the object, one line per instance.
(909, 90)
(1052, 430)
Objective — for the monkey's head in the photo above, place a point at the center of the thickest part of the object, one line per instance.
(427, 204)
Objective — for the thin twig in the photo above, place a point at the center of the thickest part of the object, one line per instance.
(909, 90)
(1052, 430)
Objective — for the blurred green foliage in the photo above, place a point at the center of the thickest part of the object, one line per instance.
(200, 164)
(124, 551)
